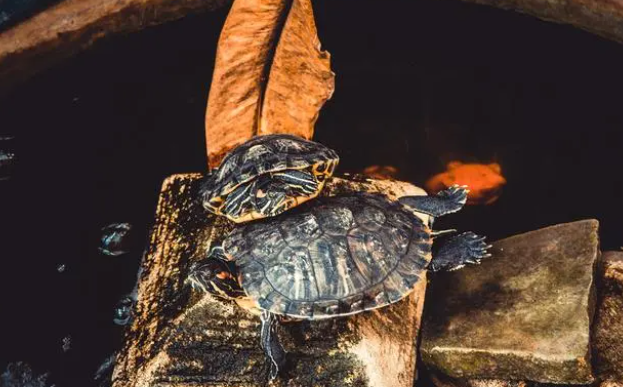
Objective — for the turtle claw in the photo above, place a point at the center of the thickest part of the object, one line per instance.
(439, 233)
(455, 196)
(466, 248)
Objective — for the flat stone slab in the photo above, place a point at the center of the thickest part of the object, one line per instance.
(445, 381)
(523, 314)
(608, 327)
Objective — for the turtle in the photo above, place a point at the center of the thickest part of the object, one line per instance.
(332, 257)
(266, 176)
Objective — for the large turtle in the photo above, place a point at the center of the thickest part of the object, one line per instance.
(332, 257)
(266, 176)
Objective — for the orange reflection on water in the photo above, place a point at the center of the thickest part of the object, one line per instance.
(382, 172)
(485, 181)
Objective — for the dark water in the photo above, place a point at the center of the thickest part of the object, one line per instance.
(418, 84)
(14, 11)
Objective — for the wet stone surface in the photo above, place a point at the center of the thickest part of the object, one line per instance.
(608, 327)
(524, 314)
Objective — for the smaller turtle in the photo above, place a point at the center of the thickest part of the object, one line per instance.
(266, 176)
(333, 257)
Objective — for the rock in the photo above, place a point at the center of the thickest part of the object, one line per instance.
(115, 239)
(7, 161)
(608, 328)
(444, 381)
(123, 309)
(72, 25)
(603, 18)
(524, 314)
(20, 374)
(184, 338)
(495, 383)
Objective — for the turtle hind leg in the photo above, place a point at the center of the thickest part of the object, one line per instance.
(445, 202)
(463, 249)
(270, 343)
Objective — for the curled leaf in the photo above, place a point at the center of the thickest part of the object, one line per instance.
(270, 75)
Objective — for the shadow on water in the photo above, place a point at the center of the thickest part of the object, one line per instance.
(418, 84)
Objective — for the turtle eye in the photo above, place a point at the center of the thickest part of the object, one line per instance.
(320, 168)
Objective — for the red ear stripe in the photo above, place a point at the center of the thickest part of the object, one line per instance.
(224, 275)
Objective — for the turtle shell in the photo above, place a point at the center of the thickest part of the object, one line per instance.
(266, 155)
(331, 257)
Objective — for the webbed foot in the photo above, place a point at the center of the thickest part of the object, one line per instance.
(463, 249)
(445, 202)
(270, 343)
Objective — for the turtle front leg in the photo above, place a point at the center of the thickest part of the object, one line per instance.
(459, 251)
(445, 202)
(270, 343)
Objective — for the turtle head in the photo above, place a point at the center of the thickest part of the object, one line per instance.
(216, 277)
(210, 199)
(270, 197)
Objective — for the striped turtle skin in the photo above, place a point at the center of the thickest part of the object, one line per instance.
(331, 257)
(266, 176)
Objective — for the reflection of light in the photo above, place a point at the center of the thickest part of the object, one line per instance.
(485, 181)
(381, 172)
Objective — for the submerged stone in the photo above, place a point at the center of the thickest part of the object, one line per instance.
(7, 159)
(66, 343)
(524, 314)
(20, 374)
(123, 310)
(115, 239)
(608, 327)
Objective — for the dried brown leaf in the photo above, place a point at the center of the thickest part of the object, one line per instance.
(270, 75)
(300, 79)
